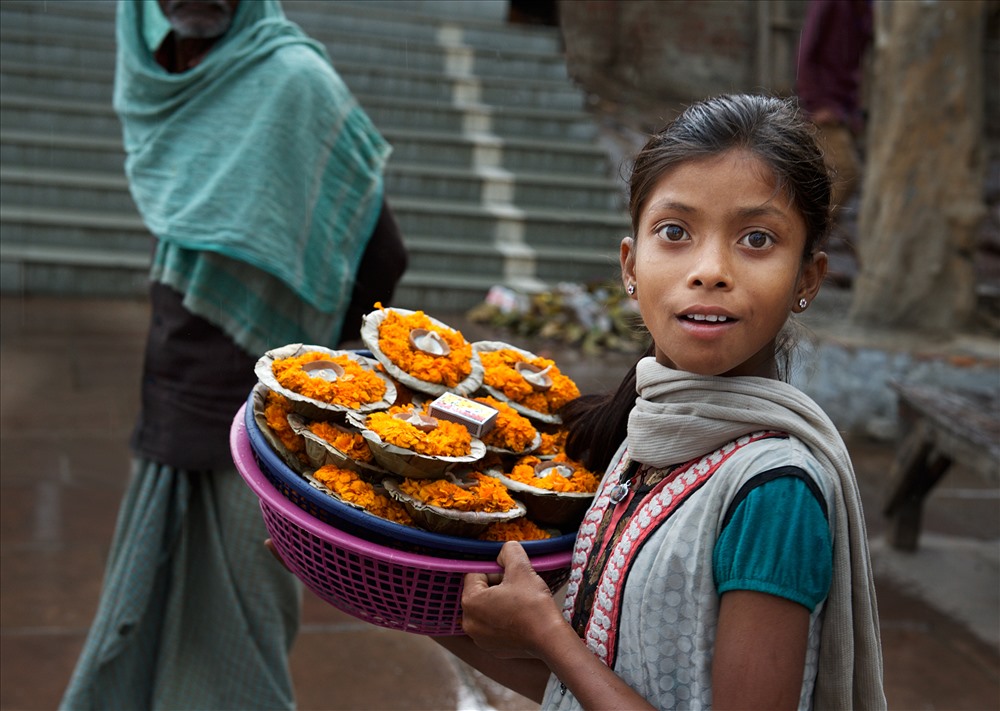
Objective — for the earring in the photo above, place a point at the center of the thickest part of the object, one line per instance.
(630, 289)
(803, 303)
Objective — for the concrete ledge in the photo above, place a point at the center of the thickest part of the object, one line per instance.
(848, 371)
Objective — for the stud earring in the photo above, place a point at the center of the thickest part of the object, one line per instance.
(630, 289)
(802, 304)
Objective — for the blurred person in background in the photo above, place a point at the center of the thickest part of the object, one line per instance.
(835, 36)
(261, 179)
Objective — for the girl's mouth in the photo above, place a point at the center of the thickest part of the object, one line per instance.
(710, 318)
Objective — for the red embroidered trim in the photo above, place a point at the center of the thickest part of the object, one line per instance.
(601, 632)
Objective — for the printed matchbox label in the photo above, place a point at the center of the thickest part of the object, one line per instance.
(477, 417)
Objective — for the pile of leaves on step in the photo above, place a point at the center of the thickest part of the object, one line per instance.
(595, 317)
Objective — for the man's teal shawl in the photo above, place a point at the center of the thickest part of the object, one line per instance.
(257, 171)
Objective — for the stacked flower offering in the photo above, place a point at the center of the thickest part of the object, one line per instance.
(456, 438)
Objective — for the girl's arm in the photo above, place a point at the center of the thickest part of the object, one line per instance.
(517, 623)
(527, 677)
(760, 652)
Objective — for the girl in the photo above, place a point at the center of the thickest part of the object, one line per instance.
(724, 561)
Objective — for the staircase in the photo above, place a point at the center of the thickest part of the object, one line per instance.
(497, 175)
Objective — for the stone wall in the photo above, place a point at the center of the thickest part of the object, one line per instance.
(655, 56)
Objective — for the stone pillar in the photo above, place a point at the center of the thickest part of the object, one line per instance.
(922, 199)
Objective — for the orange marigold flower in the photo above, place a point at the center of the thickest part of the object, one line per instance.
(358, 386)
(500, 374)
(394, 342)
(276, 409)
(520, 529)
(512, 431)
(351, 488)
(486, 495)
(552, 442)
(448, 439)
(582, 481)
(351, 444)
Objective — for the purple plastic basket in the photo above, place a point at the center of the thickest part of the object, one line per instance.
(375, 583)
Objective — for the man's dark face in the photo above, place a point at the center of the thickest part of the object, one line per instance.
(199, 19)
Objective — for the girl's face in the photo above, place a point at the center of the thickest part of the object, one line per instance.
(717, 265)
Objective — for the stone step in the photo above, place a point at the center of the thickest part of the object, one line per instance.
(47, 113)
(475, 117)
(34, 269)
(39, 156)
(490, 185)
(487, 150)
(90, 153)
(101, 232)
(575, 231)
(481, 117)
(69, 190)
(501, 262)
(52, 114)
(406, 20)
(440, 274)
(72, 18)
(435, 55)
(537, 227)
(31, 149)
(108, 191)
(477, 23)
(94, 83)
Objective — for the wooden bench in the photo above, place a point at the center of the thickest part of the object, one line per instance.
(940, 427)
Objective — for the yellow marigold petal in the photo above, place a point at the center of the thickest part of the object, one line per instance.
(394, 342)
(351, 444)
(358, 386)
(487, 495)
(581, 481)
(520, 529)
(276, 409)
(500, 374)
(351, 488)
(448, 439)
(512, 431)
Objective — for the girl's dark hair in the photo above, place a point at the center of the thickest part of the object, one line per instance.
(771, 129)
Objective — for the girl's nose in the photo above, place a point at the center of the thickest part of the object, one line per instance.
(711, 268)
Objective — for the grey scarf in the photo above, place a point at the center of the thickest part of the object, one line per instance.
(679, 416)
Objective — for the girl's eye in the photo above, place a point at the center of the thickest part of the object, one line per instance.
(672, 233)
(757, 240)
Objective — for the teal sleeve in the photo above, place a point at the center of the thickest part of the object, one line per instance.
(777, 541)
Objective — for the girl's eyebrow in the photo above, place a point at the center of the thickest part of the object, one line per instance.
(671, 205)
(765, 210)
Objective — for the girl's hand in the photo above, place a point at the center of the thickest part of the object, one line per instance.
(510, 618)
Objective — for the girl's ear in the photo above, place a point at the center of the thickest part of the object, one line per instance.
(810, 280)
(627, 257)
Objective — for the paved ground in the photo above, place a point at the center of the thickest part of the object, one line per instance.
(68, 390)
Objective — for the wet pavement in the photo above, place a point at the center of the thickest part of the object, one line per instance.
(69, 373)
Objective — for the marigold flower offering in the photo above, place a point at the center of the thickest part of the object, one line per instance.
(351, 488)
(557, 474)
(437, 355)
(503, 374)
(276, 410)
(520, 529)
(351, 444)
(513, 432)
(340, 380)
(485, 494)
(447, 439)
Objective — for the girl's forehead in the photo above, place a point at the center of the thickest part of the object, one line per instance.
(738, 162)
(731, 175)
